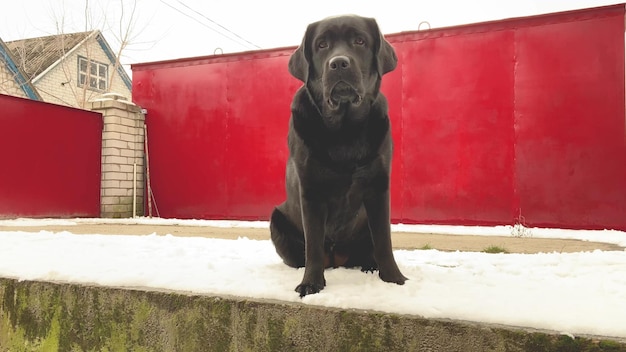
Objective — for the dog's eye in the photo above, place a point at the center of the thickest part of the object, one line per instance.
(359, 41)
(322, 44)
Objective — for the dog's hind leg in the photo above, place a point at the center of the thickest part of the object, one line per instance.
(287, 239)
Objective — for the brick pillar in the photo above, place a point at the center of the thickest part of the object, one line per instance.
(122, 147)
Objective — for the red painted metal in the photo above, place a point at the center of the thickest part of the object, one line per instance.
(569, 123)
(494, 123)
(49, 160)
(218, 148)
(457, 129)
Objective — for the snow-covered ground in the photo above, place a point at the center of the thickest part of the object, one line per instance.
(573, 293)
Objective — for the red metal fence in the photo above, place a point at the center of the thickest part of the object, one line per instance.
(49, 160)
(494, 123)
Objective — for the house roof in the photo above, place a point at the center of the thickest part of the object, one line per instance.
(36, 56)
(19, 75)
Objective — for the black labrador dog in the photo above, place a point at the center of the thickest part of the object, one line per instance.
(337, 178)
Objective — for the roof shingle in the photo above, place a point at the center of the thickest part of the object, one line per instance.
(34, 55)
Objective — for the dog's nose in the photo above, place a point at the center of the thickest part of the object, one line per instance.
(339, 62)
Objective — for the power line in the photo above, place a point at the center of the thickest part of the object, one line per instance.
(226, 29)
(211, 28)
(201, 23)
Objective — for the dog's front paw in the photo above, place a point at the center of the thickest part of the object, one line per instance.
(393, 276)
(309, 288)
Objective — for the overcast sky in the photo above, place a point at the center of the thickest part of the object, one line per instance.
(170, 29)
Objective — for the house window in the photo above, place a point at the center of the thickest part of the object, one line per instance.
(92, 74)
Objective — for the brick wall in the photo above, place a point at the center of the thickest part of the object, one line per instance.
(122, 153)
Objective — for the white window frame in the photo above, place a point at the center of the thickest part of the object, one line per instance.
(94, 72)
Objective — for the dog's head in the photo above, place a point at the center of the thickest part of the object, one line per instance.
(342, 60)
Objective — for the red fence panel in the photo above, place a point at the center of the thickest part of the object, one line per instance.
(186, 142)
(218, 148)
(49, 160)
(570, 124)
(457, 130)
(493, 123)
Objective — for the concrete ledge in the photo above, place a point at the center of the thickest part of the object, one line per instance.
(43, 316)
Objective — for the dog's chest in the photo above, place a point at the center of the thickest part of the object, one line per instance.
(344, 211)
(349, 152)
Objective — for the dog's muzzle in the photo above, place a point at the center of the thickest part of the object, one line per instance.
(343, 92)
(341, 80)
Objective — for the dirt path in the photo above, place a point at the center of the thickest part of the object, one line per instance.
(401, 240)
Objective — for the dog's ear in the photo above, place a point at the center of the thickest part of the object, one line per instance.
(386, 58)
(300, 59)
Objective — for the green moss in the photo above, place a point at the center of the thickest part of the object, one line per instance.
(611, 346)
(26, 325)
(275, 338)
(12, 338)
(141, 316)
(79, 318)
(364, 332)
(51, 341)
(207, 327)
(250, 326)
(219, 327)
(495, 249)
(388, 332)
(564, 343)
(38, 314)
(117, 339)
(568, 344)
(8, 302)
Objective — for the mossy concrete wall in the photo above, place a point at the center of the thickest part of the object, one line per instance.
(43, 316)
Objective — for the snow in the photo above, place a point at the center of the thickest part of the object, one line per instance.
(572, 293)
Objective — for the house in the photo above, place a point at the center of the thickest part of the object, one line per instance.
(13, 80)
(67, 69)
